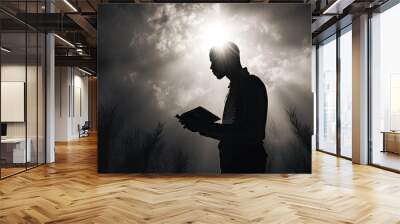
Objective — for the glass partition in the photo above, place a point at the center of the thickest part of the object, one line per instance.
(14, 153)
(22, 88)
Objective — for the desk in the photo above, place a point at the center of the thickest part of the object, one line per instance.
(391, 141)
(13, 150)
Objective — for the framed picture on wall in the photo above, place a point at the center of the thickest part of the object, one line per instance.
(12, 101)
(239, 73)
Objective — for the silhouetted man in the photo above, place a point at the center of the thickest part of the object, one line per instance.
(242, 131)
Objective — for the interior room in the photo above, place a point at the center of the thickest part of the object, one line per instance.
(131, 111)
(22, 101)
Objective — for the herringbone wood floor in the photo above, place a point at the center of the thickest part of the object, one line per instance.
(70, 191)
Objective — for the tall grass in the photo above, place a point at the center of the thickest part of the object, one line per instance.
(301, 130)
(136, 151)
(106, 134)
(302, 145)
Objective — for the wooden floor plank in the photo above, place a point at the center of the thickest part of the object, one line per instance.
(71, 191)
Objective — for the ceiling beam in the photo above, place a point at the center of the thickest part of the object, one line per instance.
(83, 61)
(84, 24)
(319, 23)
(44, 22)
(337, 6)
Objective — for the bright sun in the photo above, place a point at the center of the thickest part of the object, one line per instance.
(215, 34)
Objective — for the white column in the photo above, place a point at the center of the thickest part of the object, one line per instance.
(360, 90)
(50, 93)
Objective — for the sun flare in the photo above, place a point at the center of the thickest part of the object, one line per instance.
(215, 34)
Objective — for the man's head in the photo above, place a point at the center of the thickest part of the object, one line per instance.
(224, 59)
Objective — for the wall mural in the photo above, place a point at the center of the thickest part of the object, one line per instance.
(204, 88)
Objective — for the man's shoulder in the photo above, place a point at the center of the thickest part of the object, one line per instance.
(256, 81)
(254, 78)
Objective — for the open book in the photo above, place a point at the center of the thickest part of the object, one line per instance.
(199, 114)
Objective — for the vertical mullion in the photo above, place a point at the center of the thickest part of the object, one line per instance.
(37, 90)
(46, 3)
(369, 90)
(338, 81)
(317, 95)
(45, 95)
(26, 86)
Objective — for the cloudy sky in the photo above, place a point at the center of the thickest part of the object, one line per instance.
(154, 64)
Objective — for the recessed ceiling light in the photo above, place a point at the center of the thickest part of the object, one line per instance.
(65, 41)
(337, 7)
(70, 5)
(5, 50)
(84, 71)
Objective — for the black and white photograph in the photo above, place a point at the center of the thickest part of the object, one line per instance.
(204, 88)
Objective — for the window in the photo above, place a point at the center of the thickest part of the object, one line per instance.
(385, 89)
(346, 92)
(334, 63)
(327, 95)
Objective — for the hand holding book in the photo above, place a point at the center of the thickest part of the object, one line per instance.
(197, 119)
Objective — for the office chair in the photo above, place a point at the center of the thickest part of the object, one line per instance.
(84, 130)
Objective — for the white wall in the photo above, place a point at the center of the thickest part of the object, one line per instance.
(33, 127)
(79, 103)
(70, 83)
(62, 81)
(17, 73)
(12, 73)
